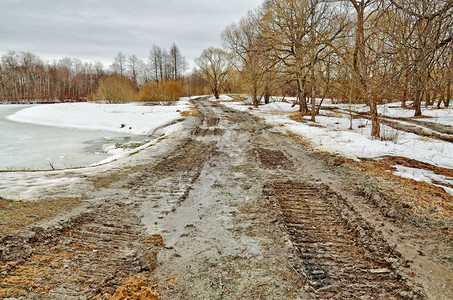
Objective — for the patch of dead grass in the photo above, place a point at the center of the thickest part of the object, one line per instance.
(156, 240)
(418, 199)
(107, 179)
(136, 288)
(15, 215)
(236, 98)
(190, 113)
(275, 112)
(23, 281)
(298, 117)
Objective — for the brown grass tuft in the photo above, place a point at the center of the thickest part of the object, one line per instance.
(15, 215)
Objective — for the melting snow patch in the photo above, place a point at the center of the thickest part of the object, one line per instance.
(424, 175)
(225, 98)
(125, 118)
(332, 134)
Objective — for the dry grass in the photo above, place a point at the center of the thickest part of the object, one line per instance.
(390, 135)
(190, 113)
(137, 287)
(15, 215)
(156, 240)
(275, 112)
(425, 139)
(417, 199)
(23, 279)
(236, 98)
(298, 117)
(106, 180)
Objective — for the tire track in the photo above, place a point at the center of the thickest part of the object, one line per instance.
(340, 255)
(90, 255)
(98, 251)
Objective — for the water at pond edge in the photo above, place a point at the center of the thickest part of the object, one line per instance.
(36, 147)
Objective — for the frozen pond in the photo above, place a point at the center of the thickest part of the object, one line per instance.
(35, 147)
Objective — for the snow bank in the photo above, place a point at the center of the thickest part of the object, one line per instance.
(118, 153)
(332, 134)
(394, 110)
(424, 175)
(225, 98)
(279, 106)
(131, 118)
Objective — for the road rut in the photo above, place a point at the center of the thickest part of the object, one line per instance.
(227, 208)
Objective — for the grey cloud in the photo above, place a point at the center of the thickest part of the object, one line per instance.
(98, 29)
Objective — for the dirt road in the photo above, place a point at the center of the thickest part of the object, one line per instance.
(228, 208)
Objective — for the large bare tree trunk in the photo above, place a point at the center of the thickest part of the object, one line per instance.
(301, 96)
(449, 79)
(441, 98)
(447, 101)
(418, 102)
(313, 99)
(428, 96)
(404, 98)
(267, 94)
(405, 89)
(360, 65)
(375, 126)
(255, 96)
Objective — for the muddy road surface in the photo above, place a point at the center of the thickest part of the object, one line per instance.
(226, 208)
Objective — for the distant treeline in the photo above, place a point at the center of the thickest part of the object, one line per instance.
(26, 78)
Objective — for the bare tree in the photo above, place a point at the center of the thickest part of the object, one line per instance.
(285, 27)
(25, 77)
(119, 64)
(132, 66)
(425, 36)
(156, 63)
(250, 55)
(177, 61)
(360, 62)
(214, 66)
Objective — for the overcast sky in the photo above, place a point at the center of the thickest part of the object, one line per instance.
(97, 29)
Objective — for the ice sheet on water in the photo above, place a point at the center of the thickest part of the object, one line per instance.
(73, 134)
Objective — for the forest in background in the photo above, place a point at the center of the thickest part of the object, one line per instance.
(356, 51)
(26, 78)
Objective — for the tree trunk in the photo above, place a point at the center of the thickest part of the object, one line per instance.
(267, 94)
(350, 105)
(441, 98)
(375, 126)
(428, 98)
(447, 101)
(404, 99)
(418, 103)
(360, 66)
(313, 99)
(405, 90)
(301, 96)
(255, 94)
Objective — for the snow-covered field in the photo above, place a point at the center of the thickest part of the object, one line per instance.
(79, 134)
(331, 133)
(124, 118)
(432, 114)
